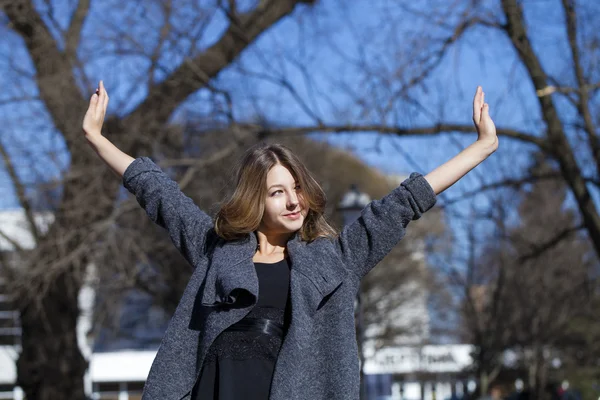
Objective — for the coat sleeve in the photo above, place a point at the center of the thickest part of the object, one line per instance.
(382, 224)
(167, 206)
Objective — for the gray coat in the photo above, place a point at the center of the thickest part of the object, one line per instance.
(319, 355)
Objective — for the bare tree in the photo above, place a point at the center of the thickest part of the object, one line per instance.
(527, 285)
(562, 123)
(47, 282)
(178, 53)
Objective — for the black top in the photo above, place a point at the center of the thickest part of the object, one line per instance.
(273, 284)
(240, 364)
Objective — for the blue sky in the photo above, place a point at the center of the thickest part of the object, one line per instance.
(327, 54)
(335, 43)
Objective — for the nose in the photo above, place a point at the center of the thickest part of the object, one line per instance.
(293, 200)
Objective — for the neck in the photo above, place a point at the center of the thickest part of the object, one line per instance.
(272, 243)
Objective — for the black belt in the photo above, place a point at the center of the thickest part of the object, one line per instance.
(263, 325)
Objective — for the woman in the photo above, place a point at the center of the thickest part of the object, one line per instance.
(269, 310)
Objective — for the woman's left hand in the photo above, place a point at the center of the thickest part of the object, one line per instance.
(486, 130)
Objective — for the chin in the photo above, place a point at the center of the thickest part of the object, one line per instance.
(293, 226)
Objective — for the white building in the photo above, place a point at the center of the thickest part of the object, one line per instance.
(412, 373)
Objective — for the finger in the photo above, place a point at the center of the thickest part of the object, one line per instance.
(105, 98)
(93, 102)
(477, 103)
(101, 92)
(105, 101)
(485, 111)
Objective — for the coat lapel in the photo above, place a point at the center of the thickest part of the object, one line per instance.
(231, 273)
(325, 274)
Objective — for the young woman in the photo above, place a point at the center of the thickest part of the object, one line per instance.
(269, 310)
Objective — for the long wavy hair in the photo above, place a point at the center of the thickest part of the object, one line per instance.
(243, 212)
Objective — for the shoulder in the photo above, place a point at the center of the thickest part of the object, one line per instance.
(322, 243)
(214, 241)
(322, 249)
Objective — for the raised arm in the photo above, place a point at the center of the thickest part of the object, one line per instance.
(154, 190)
(449, 173)
(166, 205)
(92, 126)
(383, 223)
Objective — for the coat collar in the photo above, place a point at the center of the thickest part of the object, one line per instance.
(232, 268)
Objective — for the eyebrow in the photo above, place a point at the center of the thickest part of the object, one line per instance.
(278, 185)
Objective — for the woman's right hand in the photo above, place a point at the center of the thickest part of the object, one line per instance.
(94, 117)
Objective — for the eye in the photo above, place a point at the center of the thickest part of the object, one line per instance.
(298, 187)
(275, 192)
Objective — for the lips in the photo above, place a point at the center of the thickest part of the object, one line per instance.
(294, 214)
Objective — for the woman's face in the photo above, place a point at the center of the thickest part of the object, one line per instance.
(283, 209)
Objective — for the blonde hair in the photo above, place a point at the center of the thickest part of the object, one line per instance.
(242, 213)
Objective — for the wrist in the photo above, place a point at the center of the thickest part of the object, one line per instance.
(486, 146)
(96, 140)
(93, 136)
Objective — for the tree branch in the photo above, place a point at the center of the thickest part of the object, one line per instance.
(13, 242)
(19, 188)
(539, 249)
(400, 131)
(195, 73)
(560, 147)
(550, 89)
(54, 76)
(165, 29)
(583, 103)
(438, 56)
(514, 183)
(73, 35)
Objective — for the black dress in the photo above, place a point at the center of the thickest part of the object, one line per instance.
(239, 364)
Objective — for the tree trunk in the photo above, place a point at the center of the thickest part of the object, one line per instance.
(560, 147)
(50, 352)
(51, 365)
